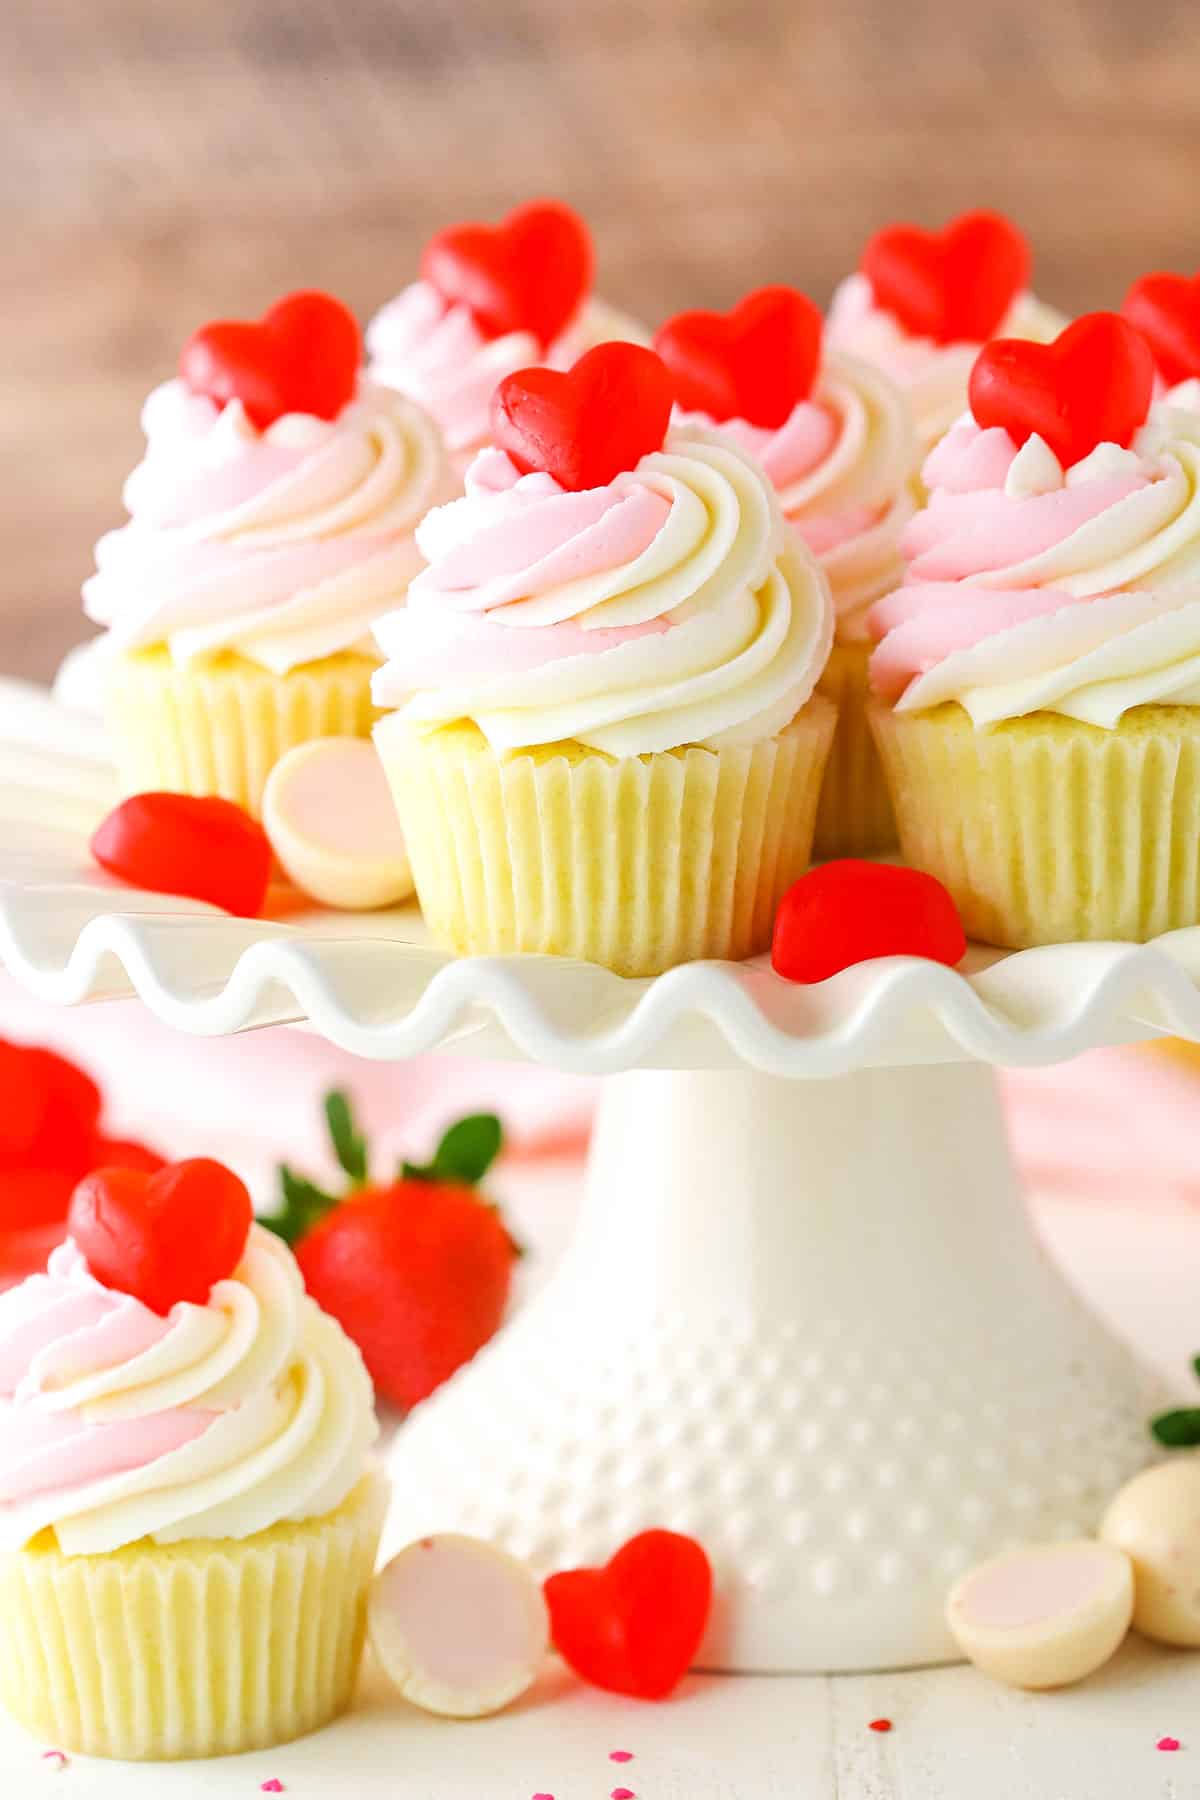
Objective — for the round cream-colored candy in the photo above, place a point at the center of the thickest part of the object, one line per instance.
(459, 1626)
(1046, 1616)
(1155, 1519)
(332, 823)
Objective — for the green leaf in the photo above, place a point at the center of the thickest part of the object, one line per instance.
(469, 1149)
(1178, 1430)
(1196, 1365)
(304, 1205)
(349, 1145)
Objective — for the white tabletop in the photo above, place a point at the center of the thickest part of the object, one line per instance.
(955, 1735)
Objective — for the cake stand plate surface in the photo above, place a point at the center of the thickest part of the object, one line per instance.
(804, 1318)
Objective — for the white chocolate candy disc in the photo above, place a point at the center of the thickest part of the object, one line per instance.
(1045, 1616)
(459, 1626)
(1155, 1519)
(330, 817)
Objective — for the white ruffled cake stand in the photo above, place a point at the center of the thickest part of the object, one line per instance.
(804, 1318)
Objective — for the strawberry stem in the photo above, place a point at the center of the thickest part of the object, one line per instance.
(349, 1144)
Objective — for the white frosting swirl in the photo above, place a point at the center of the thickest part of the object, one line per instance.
(283, 545)
(218, 1421)
(934, 376)
(843, 464)
(673, 607)
(437, 355)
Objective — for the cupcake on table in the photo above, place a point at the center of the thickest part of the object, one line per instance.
(271, 522)
(1039, 671)
(835, 436)
(188, 1513)
(491, 299)
(609, 744)
(921, 305)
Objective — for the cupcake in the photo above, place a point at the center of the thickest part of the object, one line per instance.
(492, 299)
(835, 437)
(608, 743)
(921, 304)
(1039, 671)
(188, 1515)
(271, 522)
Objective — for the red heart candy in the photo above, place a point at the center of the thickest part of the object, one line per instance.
(1092, 385)
(634, 1627)
(1166, 310)
(954, 285)
(165, 1237)
(51, 1112)
(302, 356)
(754, 362)
(588, 424)
(529, 273)
(199, 846)
(850, 911)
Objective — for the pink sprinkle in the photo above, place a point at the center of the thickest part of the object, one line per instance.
(623, 1794)
(880, 1725)
(620, 1756)
(543, 1797)
(59, 1758)
(273, 1786)
(1167, 1744)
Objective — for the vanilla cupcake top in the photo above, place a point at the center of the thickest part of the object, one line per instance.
(215, 1420)
(492, 300)
(834, 434)
(607, 581)
(273, 512)
(1056, 570)
(921, 305)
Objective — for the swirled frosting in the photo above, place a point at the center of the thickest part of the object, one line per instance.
(283, 545)
(674, 606)
(1033, 588)
(437, 355)
(933, 376)
(842, 463)
(217, 1421)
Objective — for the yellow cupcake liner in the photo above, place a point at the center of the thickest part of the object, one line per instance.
(637, 862)
(1048, 831)
(194, 1649)
(854, 817)
(220, 725)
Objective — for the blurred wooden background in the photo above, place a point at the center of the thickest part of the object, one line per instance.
(162, 162)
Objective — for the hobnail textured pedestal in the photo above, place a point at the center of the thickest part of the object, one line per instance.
(809, 1323)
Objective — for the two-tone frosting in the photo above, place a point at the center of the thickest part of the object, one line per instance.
(932, 376)
(672, 607)
(216, 1421)
(436, 353)
(842, 463)
(282, 545)
(1032, 587)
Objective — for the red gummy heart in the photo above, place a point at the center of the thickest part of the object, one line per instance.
(199, 846)
(302, 356)
(529, 273)
(587, 425)
(634, 1627)
(1092, 385)
(754, 362)
(954, 285)
(50, 1114)
(850, 911)
(165, 1237)
(1166, 310)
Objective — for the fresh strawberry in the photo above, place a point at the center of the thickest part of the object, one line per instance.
(417, 1271)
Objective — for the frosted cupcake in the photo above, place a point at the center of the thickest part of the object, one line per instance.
(609, 745)
(1039, 671)
(271, 522)
(188, 1520)
(922, 304)
(835, 436)
(491, 300)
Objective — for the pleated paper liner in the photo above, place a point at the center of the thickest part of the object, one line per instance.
(194, 1649)
(1048, 831)
(220, 725)
(855, 816)
(638, 863)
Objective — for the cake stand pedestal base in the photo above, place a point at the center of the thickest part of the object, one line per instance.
(807, 1321)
